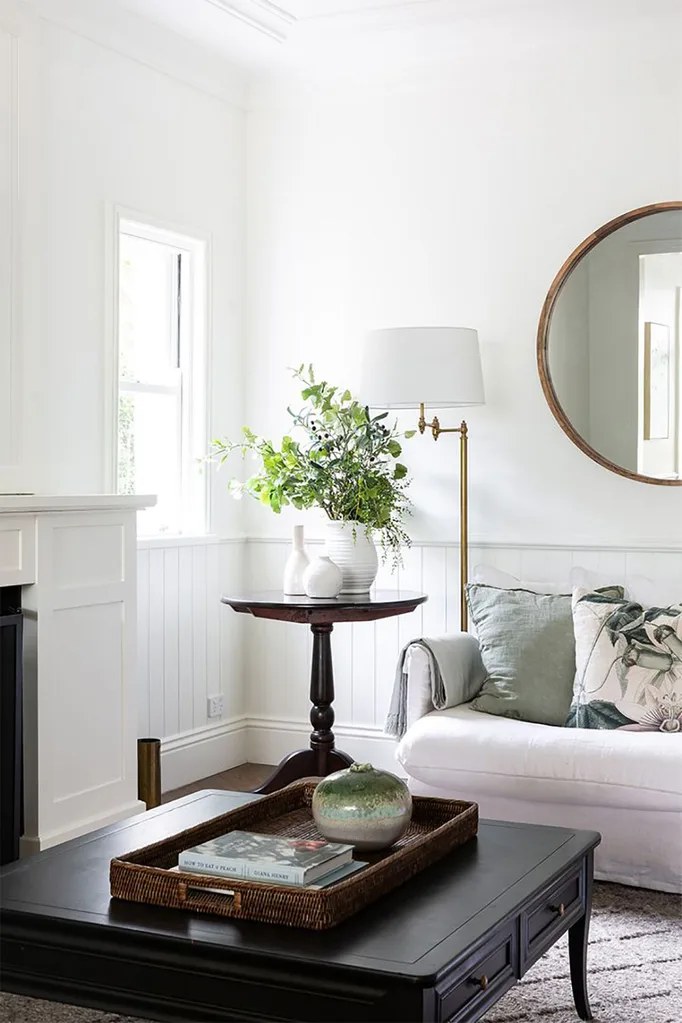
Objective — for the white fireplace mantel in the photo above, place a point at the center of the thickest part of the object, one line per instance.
(17, 504)
(75, 559)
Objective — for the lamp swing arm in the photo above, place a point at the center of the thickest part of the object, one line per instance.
(436, 430)
(435, 427)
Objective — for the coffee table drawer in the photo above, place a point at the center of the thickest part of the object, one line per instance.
(485, 976)
(544, 921)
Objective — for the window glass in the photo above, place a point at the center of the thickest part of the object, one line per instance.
(161, 380)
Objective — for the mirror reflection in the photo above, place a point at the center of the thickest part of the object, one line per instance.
(613, 346)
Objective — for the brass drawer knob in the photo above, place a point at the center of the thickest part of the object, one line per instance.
(483, 982)
(560, 909)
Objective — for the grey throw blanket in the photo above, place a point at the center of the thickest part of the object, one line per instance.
(456, 674)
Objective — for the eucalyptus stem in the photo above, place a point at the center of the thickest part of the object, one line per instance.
(345, 462)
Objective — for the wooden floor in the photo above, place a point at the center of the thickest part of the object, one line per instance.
(239, 779)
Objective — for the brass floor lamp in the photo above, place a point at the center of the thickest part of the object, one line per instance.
(412, 367)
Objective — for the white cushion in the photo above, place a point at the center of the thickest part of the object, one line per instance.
(649, 592)
(459, 748)
(628, 665)
(491, 576)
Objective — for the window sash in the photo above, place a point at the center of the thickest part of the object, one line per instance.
(188, 383)
(149, 387)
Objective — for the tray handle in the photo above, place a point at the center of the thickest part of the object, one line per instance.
(187, 893)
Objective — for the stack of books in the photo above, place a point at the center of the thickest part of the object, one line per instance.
(271, 859)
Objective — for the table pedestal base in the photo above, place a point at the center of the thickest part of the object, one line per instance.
(322, 758)
(304, 763)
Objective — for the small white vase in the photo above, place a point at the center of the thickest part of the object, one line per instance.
(322, 578)
(354, 552)
(297, 562)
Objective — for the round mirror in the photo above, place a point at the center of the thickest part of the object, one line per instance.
(610, 345)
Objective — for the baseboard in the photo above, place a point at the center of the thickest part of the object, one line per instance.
(30, 844)
(191, 756)
(268, 740)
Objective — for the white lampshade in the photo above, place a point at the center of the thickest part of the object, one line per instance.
(404, 366)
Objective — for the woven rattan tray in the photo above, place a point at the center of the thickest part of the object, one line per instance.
(146, 875)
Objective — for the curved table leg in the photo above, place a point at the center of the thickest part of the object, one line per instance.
(300, 764)
(337, 760)
(577, 950)
(303, 763)
(322, 758)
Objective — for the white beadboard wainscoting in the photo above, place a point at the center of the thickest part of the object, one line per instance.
(190, 647)
(365, 653)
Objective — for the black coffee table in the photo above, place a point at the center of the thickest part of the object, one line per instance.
(443, 947)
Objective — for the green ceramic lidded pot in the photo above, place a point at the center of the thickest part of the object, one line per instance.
(363, 807)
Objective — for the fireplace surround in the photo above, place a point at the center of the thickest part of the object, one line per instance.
(74, 559)
(11, 790)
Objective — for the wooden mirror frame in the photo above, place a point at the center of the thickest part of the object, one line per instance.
(543, 338)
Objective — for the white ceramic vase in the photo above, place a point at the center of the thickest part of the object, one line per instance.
(297, 562)
(322, 578)
(354, 552)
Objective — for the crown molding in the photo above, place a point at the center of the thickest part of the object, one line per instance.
(262, 15)
(275, 10)
(123, 31)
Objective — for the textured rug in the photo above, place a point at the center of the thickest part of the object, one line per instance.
(635, 972)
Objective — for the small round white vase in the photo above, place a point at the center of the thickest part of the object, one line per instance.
(354, 552)
(322, 579)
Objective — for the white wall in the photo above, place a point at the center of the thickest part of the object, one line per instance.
(447, 197)
(365, 653)
(121, 112)
(119, 132)
(191, 647)
(8, 194)
(451, 196)
(455, 201)
(19, 237)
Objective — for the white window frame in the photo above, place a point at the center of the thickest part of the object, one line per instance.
(193, 375)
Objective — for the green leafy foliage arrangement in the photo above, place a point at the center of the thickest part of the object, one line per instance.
(338, 458)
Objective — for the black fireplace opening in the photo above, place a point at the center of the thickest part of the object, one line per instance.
(11, 781)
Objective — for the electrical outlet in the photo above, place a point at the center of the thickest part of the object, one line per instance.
(216, 705)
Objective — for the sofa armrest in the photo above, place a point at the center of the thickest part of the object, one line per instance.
(463, 684)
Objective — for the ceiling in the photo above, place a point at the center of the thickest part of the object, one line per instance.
(347, 35)
(321, 8)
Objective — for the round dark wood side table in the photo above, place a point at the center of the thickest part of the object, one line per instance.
(322, 757)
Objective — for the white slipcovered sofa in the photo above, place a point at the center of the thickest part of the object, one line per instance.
(626, 785)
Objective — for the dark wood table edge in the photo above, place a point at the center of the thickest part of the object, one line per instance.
(576, 922)
(160, 951)
(241, 798)
(288, 607)
(140, 952)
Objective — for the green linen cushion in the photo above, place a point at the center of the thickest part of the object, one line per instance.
(628, 665)
(528, 650)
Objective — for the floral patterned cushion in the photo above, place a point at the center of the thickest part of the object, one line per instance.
(628, 665)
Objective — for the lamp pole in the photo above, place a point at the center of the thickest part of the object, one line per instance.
(462, 430)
